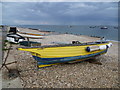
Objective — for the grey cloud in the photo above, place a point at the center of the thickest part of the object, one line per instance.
(60, 13)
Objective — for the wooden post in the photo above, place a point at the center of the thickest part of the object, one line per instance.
(28, 42)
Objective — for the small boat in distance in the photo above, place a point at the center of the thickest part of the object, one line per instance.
(115, 27)
(104, 27)
(69, 26)
(66, 53)
(92, 26)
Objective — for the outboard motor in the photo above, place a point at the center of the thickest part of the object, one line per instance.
(13, 30)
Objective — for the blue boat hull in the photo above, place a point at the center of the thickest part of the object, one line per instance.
(46, 61)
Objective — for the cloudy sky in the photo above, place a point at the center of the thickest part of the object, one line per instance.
(59, 13)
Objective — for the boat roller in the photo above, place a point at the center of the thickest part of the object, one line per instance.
(102, 47)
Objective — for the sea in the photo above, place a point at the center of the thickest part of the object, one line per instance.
(111, 33)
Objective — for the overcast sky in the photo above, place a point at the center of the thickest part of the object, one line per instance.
(60, 13)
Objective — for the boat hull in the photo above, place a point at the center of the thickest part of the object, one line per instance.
(31, 36)
(43, 62)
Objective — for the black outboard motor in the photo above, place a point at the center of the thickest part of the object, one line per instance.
(13, 30)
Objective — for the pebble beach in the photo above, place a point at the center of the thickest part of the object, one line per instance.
(75, 75)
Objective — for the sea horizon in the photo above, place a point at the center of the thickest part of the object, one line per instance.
(111, 33)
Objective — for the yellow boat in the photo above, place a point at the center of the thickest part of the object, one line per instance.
(56, 54)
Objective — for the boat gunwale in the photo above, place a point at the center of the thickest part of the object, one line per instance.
(65, 45)
(30, 34)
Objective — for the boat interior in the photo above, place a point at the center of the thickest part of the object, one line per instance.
(63, 45)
